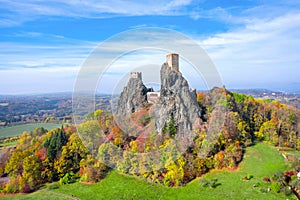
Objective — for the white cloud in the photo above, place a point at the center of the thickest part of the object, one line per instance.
(59, 51)
(19, 11)
(264, 51)
(41, 80)
(262, 48)
(26, 67)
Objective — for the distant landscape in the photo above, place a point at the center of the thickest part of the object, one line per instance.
(254, 156)
(41, 108)
(57, 107)
(142, 100)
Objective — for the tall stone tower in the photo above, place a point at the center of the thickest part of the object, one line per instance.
(173, 61)
(136, 75)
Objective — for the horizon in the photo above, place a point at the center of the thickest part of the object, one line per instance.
(109, 94)
(253, 44)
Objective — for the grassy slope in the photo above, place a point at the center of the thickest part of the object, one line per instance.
(19, 129)
(260, 161)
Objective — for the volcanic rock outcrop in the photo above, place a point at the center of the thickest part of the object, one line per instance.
(133, 96)
(176, 99)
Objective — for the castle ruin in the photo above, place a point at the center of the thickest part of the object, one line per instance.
(136, 75)
(152, 97)
(172, 61)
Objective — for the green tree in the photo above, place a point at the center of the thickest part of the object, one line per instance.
(165, 129)
(71, 155)
(54, 144)
(172, 127)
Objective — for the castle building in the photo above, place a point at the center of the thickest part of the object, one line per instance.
(152, 97)
(136, 75)
(172, 60)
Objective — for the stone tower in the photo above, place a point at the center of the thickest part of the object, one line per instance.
(173, 61)
(136, 75)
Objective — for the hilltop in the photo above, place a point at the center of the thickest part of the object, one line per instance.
(169, 137)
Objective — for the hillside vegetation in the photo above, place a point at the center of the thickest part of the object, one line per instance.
(42, 157)
(260, 160)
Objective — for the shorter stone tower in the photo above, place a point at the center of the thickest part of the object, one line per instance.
(173, 61)
(136, 75)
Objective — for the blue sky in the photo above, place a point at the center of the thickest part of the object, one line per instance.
(253, 43)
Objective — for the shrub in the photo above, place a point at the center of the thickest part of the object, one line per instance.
(68, 178)
(12, 186)
(26, 188)
(210, 183)
(92, 170)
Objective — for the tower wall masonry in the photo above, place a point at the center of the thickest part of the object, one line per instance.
(172, 60)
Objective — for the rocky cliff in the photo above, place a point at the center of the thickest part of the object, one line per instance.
(132, 98)
(176, 101)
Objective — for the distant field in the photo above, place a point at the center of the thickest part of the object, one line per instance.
(260, 161)
(19, 129)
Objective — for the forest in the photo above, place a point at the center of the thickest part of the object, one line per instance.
(69, 154)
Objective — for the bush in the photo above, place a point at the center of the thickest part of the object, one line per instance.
(94, 173)
(68, 178)
(26, 188)
(12, 186)
(210, 183)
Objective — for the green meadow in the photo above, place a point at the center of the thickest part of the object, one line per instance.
(259, 161)
(17, 130)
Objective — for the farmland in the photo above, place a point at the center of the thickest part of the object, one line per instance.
(19, 129)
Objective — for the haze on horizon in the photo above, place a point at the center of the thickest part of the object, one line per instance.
(253, 43)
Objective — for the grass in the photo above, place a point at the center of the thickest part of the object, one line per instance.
(40, 195)
(260, 161)
(19, 129)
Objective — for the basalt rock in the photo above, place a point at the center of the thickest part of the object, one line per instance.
(132, 98)
(176, 101)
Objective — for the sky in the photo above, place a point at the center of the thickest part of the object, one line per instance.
(252, 43)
